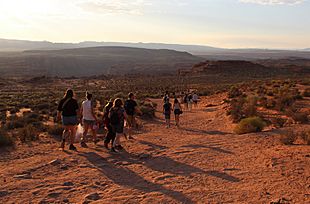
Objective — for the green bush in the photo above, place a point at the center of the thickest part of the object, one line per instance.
(5, 139)
(248, 125)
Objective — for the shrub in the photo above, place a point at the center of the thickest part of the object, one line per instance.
(28, 133)
(236, 109)
(300, 117)
(249, 108)
(279, 122)
(305, 136)
(248, 125)
(234, 92)
(55, 130)
(148, 110)
(289, 137)
(306, 93)
(5, 139)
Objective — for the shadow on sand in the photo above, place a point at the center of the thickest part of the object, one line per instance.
(205, 132)
(218, 149)
(125, 177)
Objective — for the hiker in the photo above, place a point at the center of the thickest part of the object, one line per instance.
(131, 108)
(67, 111)
(89, 119)
(195, 100)
(190, 101)
(110, 136)
(117, 117)
(177, 109)
(167, 112)
(166, 97)
(185, 101)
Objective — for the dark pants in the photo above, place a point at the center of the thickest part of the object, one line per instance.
(110, 135)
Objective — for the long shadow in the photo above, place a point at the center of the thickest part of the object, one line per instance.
(223, 176)
(205, 132)
(125, 177)
(209, 110)
(152, 146)
(218, 149)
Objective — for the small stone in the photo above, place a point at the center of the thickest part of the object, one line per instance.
(54, 162)
(3, 193)
(92, 196)
(53, 195)
(23, 176)
(65, 200)
(144, 156)
(68, 184)
(65, 167)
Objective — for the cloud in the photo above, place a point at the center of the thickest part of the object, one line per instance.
(113, 6)
(273, 2)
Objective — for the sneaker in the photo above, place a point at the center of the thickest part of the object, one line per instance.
(119, 147)
(83, 144)
(72, 147)
(113, 150)
(62, 145)
(106, 145)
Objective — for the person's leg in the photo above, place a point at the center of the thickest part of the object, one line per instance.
(94, 133)
(83, 139)
(72, 136)
(117, 140)
(130, 126)
(177, 118)
(64, 137)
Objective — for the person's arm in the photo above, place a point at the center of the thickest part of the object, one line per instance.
(81, 113)
(58, 115)
(93, 113)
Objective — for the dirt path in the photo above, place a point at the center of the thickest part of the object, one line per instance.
(201, 162)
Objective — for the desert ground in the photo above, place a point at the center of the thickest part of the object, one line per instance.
(203, 161)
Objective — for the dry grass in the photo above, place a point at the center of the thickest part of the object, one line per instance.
(249, 125)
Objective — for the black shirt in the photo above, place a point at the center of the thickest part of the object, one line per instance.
(130, 106)
(69, 108)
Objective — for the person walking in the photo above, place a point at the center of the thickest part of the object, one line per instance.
(117, 117)
(167, 112)
(185, 101)
(110, 136)
(67, 112)
(177, 109)
(89, 119)
(190, 101)
(132, 109)
(195, 100)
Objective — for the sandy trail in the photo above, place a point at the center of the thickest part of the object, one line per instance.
(201, 162)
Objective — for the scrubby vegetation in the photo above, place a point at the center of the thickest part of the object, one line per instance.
(291, 136)
(249, 125)
(5, 139)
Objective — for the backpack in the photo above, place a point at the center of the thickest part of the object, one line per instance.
(129, 107)
(114, 117)
(167, 108)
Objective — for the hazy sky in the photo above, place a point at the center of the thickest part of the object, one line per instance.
(221, 23)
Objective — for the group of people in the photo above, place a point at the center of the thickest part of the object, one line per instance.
(176, 107)
(116, 115)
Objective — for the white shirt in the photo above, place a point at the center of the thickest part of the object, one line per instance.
(87, 114)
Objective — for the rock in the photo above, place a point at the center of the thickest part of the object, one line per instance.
(53, 195)
(23, 176)
(144, 156)
(55, 162)
(92, 196)
(3, 193)
(66, 200)
(65, 167)
(68, 184)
